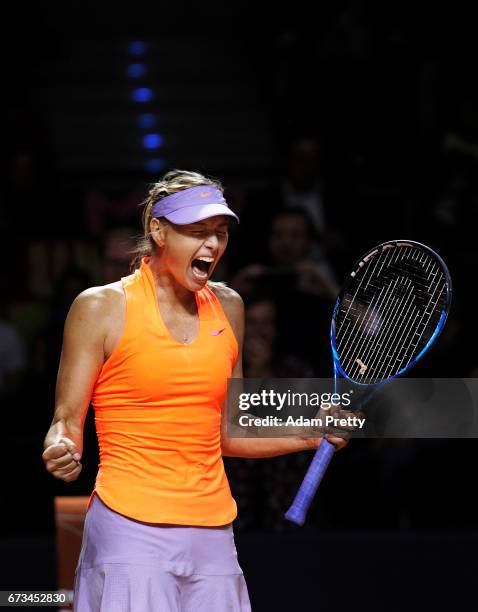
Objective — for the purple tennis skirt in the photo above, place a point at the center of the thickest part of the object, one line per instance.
(129, 566)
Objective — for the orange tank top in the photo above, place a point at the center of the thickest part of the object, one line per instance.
(157, 409)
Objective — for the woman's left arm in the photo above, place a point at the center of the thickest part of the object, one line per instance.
(233, 307)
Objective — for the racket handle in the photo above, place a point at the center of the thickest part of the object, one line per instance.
(297, 512)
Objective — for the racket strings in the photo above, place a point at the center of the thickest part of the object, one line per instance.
(394, 342)
(346, 339)
(389, 312)
(395, 345)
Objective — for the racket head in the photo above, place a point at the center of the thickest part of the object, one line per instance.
(390, 311)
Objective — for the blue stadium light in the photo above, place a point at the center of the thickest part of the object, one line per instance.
(142, 94)
(155, 165)
(147, 121)
(136, 70)
(137, 47)
(152, 141)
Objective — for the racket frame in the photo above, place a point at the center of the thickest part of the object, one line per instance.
(298, 510)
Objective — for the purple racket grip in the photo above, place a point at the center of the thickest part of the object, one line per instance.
(298, 511)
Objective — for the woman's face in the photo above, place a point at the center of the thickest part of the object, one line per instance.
(191, 252)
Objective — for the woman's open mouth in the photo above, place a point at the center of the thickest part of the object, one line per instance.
(201, 266)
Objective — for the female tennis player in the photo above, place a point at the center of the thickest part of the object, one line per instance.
(153, 353)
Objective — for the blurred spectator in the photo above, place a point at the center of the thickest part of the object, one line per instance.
(456, 181)
(259, 338)
(300, 186)
(349, 37)
(303, 289)
(258, 490)
(290, 259)
(116, 251)
(264, 356)
(462, 135)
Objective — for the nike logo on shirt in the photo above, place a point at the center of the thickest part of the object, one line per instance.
(216, 332)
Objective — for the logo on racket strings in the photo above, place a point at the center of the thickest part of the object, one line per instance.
(363, 367)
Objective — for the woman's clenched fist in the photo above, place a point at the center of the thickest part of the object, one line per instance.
(62, 460)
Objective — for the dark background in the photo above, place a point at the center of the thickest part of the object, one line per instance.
(386, 100)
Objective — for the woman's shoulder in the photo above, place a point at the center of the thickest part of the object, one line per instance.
(232, 305)
(100, 300)
(93, 316)
(100, 312)
(228, 297)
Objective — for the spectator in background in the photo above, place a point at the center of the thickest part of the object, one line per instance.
(116, 251)
(263, 355)
(455, 182)
(302, 288)
(260, 337)
(300, 187)
(290, 258)
(264, 358)
(274, 480)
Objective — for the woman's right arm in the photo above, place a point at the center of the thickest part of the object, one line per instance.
(81, 360)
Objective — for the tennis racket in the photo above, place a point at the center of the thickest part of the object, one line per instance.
(390, 311)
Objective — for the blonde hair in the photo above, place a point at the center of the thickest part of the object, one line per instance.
(172, 182)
